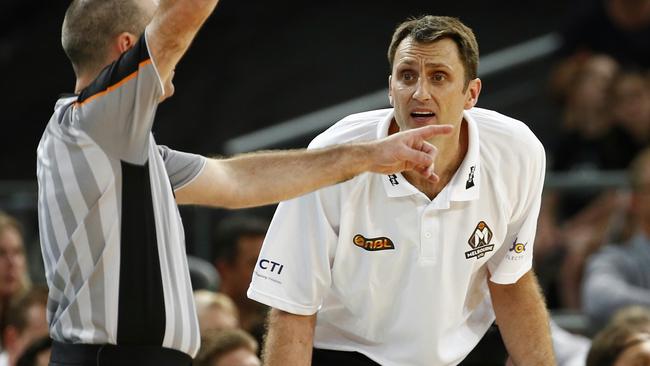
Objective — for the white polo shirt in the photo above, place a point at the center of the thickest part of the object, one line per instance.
(397, 276)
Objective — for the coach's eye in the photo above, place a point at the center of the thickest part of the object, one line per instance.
(439, 76)
(408, 76)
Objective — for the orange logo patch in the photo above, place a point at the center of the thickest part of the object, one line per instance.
(373, 244)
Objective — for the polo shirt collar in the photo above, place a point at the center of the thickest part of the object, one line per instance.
(463, 186)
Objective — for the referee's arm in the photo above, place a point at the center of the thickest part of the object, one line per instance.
(171, 31)
(523, 321)
(266, 177)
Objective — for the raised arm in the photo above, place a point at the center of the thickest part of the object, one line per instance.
(289, 340)
(268, 177)
(173, 28)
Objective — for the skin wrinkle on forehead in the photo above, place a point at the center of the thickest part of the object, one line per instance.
(410, 51)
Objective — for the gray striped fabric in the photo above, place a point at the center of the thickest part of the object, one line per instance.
(80, 187)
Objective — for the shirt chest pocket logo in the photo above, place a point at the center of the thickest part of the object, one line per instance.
(373, 244)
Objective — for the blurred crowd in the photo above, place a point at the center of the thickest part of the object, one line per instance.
(592, 251)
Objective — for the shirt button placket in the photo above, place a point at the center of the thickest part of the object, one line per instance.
(428, 235)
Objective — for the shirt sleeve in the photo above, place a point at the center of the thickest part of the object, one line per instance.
(515, 256)
(182, 168)
(117, 109)
(293, 271)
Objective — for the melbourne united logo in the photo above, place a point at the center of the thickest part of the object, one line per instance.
(480, 241)
(373, 244)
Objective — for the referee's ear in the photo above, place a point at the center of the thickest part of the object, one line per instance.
(124, 42)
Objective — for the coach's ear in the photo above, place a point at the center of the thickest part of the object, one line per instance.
(390, 90)
(472, 93)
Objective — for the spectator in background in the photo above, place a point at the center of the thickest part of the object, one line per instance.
(587, 141)
(619, 275)
(238, 240)
(26, 323)
(624, 342)
(232, 347)
(37, 354)
(14, 277)
(215, 311)
(629, 101)
(619, 28)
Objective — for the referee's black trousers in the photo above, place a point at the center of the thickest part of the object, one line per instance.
(65, 354)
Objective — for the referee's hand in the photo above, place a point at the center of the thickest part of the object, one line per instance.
(408, 150)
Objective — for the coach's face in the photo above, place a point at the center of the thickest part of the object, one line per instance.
(427, 84)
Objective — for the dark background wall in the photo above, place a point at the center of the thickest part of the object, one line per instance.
(255, 63)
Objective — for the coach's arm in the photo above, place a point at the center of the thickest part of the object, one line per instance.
(289, 340)
(261, 178)
(523, 321)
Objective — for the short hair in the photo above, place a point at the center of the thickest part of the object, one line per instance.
(429, 29)
(610, 343)
(30, 355)
(7, 222)
(637, 169)
(205, 299)
(229, 231)
(215, 345)
(90, 25)
(18, 309)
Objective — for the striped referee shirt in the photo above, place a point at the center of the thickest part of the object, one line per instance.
(111, 235)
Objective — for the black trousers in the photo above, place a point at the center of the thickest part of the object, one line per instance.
(490, 351)
(64, 354)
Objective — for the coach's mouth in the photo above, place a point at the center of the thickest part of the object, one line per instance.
(423, 117)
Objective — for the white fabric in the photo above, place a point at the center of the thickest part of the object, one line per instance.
(425, 301)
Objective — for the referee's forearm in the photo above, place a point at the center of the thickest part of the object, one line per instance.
(273, 176)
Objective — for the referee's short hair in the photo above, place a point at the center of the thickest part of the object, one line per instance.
(89, 27)
(230, 229)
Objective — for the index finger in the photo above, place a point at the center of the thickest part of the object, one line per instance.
(430, 131)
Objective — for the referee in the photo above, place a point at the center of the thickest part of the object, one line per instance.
(111, 235)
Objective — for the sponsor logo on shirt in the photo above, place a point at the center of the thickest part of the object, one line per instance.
(470, 179)
(516, 250)
(480, 241)
(269, 270)
(271, 266)
(393, 179)
(373, 244)
(517, 247)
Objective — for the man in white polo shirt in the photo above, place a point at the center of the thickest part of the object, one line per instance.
(393, 270)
